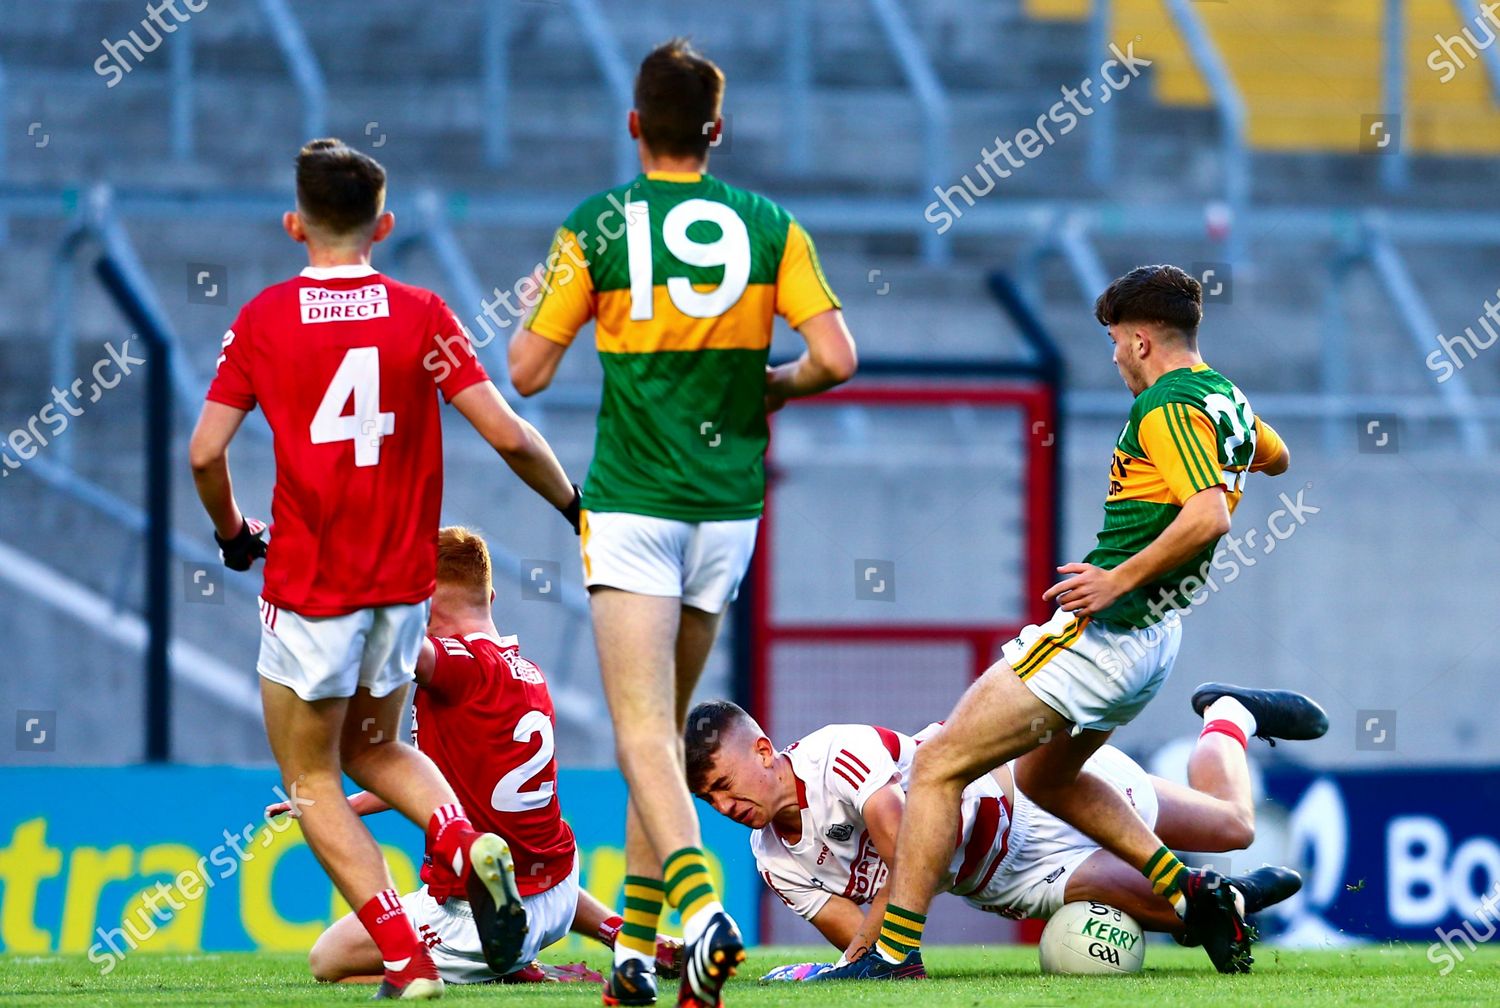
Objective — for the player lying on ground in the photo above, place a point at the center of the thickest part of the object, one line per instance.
(347, 364)
(825, 812)
(486, 721)
(1179, 469)
(683, 276)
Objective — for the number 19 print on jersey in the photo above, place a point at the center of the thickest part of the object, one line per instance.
(684, 276)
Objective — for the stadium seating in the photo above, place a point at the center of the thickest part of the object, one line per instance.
(1307, 73)
(420, 103)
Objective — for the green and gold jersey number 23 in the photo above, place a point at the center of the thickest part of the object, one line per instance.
(731, 250)
(1234, 420)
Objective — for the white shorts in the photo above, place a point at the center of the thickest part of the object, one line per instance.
(1045, 851)
(701, 563)
(1098, 677)
(447, 929)
(332, 656)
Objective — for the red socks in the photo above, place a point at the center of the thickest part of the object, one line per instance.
(610, 930)
(448, 837)
(385, 919)
(1229, 728)
(1228, 716)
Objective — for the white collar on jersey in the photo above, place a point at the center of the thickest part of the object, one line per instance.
(349, 271)
(509, 641)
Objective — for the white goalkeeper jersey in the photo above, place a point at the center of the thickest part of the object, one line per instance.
(838, 769)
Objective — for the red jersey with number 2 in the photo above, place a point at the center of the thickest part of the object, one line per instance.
(346, 364)
(486, 720)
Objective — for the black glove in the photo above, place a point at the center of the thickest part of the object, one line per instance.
(571, 512)
(247, 546)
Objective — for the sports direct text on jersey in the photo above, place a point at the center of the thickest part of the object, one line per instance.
(320, 304)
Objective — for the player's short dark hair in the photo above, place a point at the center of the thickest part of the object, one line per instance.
(339, 190)
(677, 96)
(707, 724)
(1163, 294)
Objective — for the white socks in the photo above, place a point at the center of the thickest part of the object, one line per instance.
(624, 955)
(693, 927)
(1227, 708)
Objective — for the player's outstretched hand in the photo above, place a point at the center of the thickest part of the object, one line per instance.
(796, 971)
(1088, 591)
(575, 508)
(247, 546)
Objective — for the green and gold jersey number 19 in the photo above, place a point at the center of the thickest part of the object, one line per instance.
(1233, 419)
(731, 250)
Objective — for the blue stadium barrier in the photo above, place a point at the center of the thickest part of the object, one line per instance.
(82, 849)
(1390, 855)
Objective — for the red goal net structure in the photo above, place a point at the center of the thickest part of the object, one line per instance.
(910, 530)
(911, 526)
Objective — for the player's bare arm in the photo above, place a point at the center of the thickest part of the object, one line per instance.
(519, 443)
(208, 454)
(533, 361)
(426, 662)
(882, 814)
(1090, 589)
(829, 360)
(363, 803)
(840, 921)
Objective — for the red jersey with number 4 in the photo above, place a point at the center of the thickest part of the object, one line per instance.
(345, 363)
(486, 720)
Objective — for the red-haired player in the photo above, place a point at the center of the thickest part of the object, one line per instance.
(487, 721)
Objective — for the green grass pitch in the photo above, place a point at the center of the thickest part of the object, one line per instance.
(1385, 976)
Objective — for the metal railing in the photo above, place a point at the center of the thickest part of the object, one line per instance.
(4, 147)
(180, 68)
(1061, 235)
(1369, 240)
(1421, 327)
(1066, 230)
(1231, 106)
(1393, 174)
(494, 84)
(610, 59)
(1102, 130)
(797, 81)
(174, 387)
(300, 61)
(434, 232)
(100, 221)
(932, 100)
(1469, 11)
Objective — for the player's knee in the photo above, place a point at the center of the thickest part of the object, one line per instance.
(936, 765)
(311, 780)
(644, 752)
(358, 749)
(323, 963)
(1239, 832)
